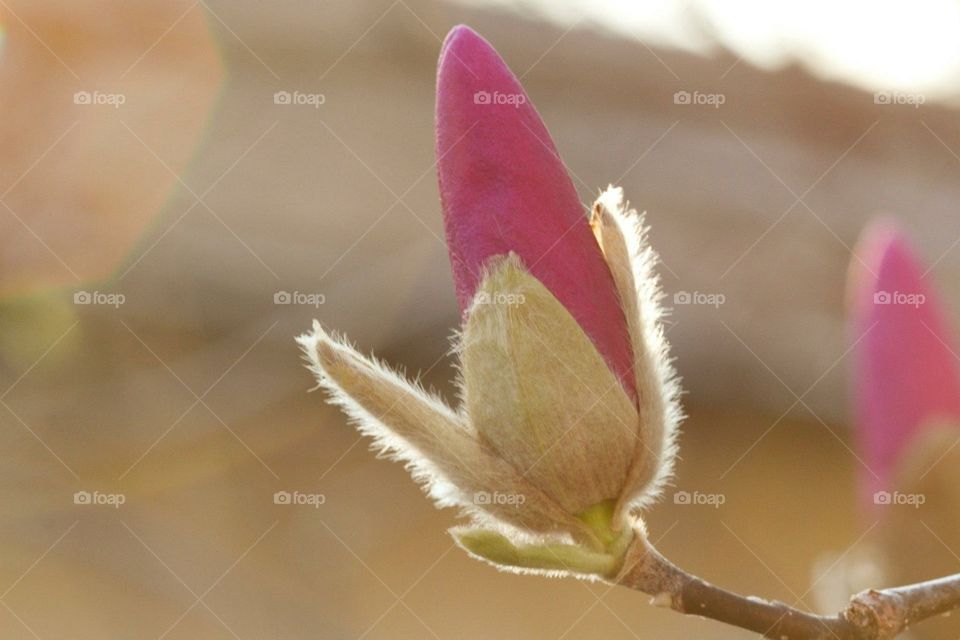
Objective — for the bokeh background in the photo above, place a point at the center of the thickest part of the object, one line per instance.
(169, 224)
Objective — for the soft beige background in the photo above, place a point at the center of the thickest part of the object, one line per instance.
(189, 398)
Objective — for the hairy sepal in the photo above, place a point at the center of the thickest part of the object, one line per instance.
(439, 447)
(623, 239)
(551, 559)
(540, 395)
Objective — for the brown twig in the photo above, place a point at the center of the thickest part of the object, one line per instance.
(871, 615)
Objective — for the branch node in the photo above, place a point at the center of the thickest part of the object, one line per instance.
(877, 614)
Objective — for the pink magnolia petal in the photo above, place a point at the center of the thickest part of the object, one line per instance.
(504, 188)
(905, 371)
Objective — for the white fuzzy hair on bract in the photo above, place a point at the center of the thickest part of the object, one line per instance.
(542, 416)
(437, 445)
(623, 236)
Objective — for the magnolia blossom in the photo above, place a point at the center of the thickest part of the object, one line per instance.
(568, 409)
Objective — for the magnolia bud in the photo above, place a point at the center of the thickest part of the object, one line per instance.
(570, 406)
(548, 455)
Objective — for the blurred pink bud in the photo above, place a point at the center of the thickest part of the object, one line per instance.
(504, 189)
(905, 370)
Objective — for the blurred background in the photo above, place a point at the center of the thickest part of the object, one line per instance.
(187, 184)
